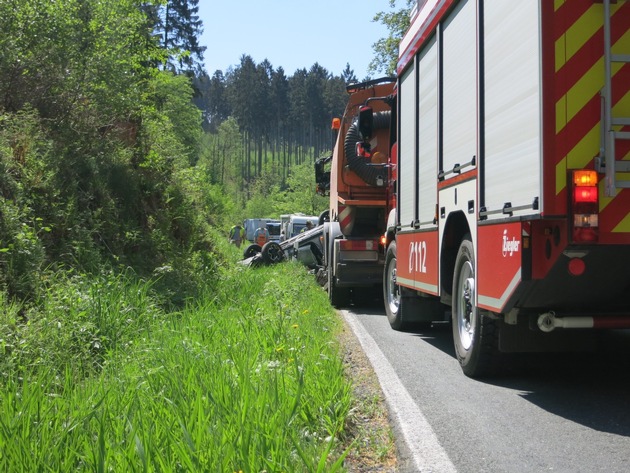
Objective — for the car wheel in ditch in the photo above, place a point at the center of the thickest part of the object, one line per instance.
(272, 253)
(251, 250)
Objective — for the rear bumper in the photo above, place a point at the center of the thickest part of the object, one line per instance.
(602, 288)
(360, 274)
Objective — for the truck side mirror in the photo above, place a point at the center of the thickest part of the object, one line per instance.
(366, 122)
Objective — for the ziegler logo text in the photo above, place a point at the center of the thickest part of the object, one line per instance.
(509, 246)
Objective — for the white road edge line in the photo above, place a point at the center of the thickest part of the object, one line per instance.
(428, 455)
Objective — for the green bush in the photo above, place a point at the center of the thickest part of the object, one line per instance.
(79, 321)
(24, 180)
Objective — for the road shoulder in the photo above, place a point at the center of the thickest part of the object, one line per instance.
(369, 426)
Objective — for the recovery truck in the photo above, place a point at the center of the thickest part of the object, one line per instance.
(513, 199)
(359, 184)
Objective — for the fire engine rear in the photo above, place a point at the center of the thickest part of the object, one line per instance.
(513, 199)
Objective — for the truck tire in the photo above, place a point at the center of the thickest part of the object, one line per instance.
(339, 296)
(391, 292)
(251, 250)
(475, 334)
(405, 309)
(272, 253)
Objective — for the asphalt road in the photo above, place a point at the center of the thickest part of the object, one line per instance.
(554, 413)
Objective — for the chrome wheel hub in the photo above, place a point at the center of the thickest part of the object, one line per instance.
(466, 310)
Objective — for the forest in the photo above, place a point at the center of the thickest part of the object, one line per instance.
(261, 126)
(117, 148)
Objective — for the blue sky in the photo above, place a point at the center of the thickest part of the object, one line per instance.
(293, 34)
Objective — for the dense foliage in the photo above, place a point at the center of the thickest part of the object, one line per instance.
(97, 145)
(386, 49)
(103, 153)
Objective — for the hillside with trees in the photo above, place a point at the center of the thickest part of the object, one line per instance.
(98, 141)
(117, 148)
(263, 125)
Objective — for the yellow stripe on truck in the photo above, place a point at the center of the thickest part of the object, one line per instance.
(581, 31)
(624, 225)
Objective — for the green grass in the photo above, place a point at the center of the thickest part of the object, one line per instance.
(249, 379)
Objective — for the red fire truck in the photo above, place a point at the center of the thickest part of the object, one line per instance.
(513, 207)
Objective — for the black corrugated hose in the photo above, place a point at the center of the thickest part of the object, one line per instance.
(372, 174)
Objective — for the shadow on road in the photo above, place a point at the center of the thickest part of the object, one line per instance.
(437, 334)
(589, 388)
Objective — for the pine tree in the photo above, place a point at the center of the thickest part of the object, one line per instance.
(212, 99)
(279, 103)
(318, 118)
(348, 75)
(179, 26)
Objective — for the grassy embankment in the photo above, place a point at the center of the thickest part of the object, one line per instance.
(249, 378)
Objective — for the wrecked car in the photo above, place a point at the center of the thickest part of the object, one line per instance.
(305, 247)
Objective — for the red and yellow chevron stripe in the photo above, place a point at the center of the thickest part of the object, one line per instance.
(578, 78)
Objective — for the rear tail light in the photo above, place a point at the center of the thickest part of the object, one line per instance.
(585, 206)
(358, 245)
(585, 195)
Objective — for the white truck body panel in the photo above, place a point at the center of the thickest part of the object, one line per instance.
(513, 106)
(297, 223)
(407, 171)
(460, 86)
(455, 199)
(428, 132)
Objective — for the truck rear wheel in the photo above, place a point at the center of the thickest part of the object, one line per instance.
(475, 334)
(324, 217)
(339, 296)
(404, 308)
(391, 291)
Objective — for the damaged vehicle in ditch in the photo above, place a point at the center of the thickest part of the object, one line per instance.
(305, 247)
